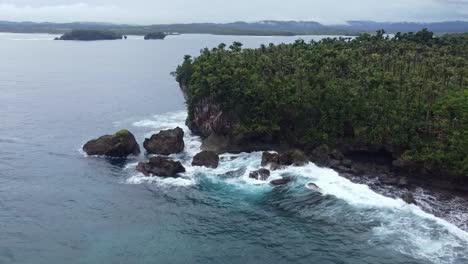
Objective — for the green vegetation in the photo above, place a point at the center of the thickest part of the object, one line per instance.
(155, 35)
(88, 35)
(408, 93)
(122, 132)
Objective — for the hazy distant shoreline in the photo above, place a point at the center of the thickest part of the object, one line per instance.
(261, 28)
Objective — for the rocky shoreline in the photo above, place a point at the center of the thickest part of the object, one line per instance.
(441, 202)
(216, 127)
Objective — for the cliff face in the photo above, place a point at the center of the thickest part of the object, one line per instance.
(208, 119)
(219, 130)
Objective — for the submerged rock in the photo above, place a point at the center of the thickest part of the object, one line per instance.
(207, 159)
(314, 187)
(161, 166)
(408, 198)
(166, 142)
(261, 174)
(282, 181)
(119, 145)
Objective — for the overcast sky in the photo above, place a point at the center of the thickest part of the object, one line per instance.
(184, 11)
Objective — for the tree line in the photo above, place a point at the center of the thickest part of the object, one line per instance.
(408, 92)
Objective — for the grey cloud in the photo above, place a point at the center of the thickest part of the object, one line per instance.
(171, 11)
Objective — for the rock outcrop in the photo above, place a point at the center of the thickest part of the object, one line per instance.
(292, 157)
(208, 119)
(261, 174)
(161, 166)
(282, 181)
(207, 159)
(408, 198)
(166, 142)
(119, 145)
(269, 158)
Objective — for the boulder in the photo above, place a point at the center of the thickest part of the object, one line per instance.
(160, 166)
(119, 145)
(261, 174)
(408, 198)
(293, 157)
(270, 158)
(166, 142)
(279, 182)
(207, 159)
(321, 155)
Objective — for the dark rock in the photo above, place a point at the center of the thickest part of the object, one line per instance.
(275, 166)
(119, 145)
(334, 164)
(347, 163)
(207, 159)
(337, 155)
(293, 157)
(161, 166)
(166, 142)
(270, 158)
(279, 182)
(261, 174)
(313, 186)
(215, 143)
(408, 198)
(208, 118)
(342, 168)
(388, 180)
(321, 155)
(403, 182)
(233, 173)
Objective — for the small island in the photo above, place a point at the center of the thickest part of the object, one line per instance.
(90, 35)
(155, 35)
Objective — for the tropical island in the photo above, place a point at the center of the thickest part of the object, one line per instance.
(90, 35)
(392, 105)
(155, 35)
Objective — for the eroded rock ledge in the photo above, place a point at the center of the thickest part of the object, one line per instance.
(217, 127)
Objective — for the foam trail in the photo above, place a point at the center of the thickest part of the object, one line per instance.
(423, 235)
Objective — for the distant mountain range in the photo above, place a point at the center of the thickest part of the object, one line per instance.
(261, 28)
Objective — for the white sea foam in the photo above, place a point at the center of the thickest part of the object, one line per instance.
(140, 178)
(425, 236)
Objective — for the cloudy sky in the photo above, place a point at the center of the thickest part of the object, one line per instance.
(172, 11)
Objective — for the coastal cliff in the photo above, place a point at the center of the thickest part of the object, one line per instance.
(369, 105)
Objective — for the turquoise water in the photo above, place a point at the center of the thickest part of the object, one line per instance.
(59, 206)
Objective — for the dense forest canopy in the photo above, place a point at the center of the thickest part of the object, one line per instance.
(155, 35)
(408, 92)
(89, 35)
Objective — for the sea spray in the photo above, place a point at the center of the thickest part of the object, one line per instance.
(413, 231)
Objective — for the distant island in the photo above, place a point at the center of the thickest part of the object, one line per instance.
(260, 28)
(90, 35)
(155, 35)
(372, 104)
